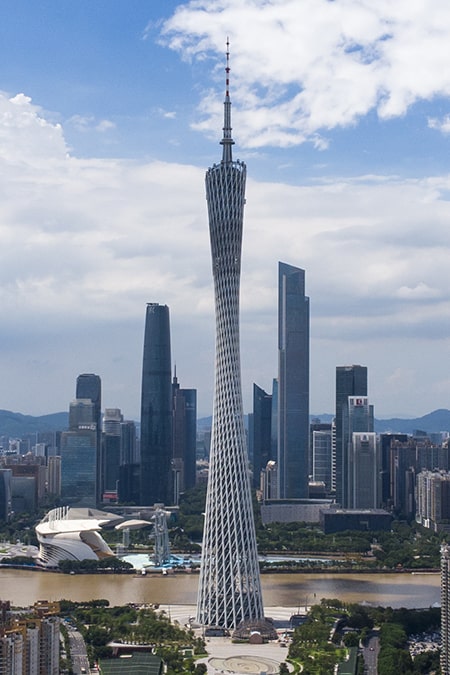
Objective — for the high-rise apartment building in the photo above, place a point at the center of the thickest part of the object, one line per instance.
(445, 609)
(293, 383)
(433, 499)
(229, 585)
(156, 409)
(350, 381)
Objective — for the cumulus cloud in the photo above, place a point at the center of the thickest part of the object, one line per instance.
(25, 134)
(85, 243)
(442, 124)
(85, 123)
(300, 69)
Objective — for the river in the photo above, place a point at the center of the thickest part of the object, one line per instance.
(23, 588)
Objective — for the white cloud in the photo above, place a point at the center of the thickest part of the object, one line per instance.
(105, 125)
(442, 125)
(25, 135)
(300, 68)
(85, 123)
(85, 243)
(420, 291)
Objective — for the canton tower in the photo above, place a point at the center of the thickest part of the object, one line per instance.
(229, 586)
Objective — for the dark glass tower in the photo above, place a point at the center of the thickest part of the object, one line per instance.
(229, 586)
(156, 409)
(89, 387)
(350, 381)
(262, 432)
(293, 383)
(184, 437)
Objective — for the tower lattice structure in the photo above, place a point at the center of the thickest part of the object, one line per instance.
(445, 609)
(229, 585)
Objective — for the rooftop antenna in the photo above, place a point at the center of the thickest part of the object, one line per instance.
(227, 140)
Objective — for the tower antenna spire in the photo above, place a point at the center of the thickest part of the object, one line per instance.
(227, 140)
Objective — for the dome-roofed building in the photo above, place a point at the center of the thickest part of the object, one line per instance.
(256, 631)
(67, 533)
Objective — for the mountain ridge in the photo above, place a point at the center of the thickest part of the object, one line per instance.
(17, 425)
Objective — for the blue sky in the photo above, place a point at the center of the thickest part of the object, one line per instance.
(110, 112)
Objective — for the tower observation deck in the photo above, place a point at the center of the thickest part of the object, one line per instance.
(229, 585)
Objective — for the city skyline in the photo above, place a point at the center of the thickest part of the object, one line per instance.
(107, 118)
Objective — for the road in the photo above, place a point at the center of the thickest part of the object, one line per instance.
(370, 653)
(78, 654)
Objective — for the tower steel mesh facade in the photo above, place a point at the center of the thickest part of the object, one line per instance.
(229, 585)
(445, 609)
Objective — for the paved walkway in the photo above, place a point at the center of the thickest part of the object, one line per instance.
(240, 659)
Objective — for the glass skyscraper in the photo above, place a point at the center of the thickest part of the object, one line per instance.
(229, 585)
(261, 432)
(89, 386)
(293, 383)
(350, 381)
(156, 409)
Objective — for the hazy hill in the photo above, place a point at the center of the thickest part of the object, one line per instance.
(16, 425)
(438, 420)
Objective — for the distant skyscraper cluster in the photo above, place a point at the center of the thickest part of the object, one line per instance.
(102, 461)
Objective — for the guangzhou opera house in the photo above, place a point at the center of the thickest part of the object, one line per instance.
(73, 534)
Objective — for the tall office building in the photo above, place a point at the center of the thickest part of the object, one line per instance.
(350, 381)
(361, 454)
(156, 409)
(445, 609)
(293, 383)
(261, 435)
(364, 471)
(229, 586)
(128, 489)
(184, 438)
(321, 455)
(110, 460)
(89, 387)
(80, 455)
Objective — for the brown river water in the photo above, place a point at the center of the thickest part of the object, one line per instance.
(23, 588)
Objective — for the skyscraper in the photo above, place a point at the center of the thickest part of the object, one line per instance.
(261, 435)
(350, 381)
(110, 460)
(445, 609)
(80, 453)
(293, 383)
(156, 408)
(89, 387)
(364, 471)
(229, 585)
(184, 438)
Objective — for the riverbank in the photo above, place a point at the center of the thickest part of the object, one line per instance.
(410, 590)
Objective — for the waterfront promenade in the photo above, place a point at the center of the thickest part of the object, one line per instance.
(226, 657)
